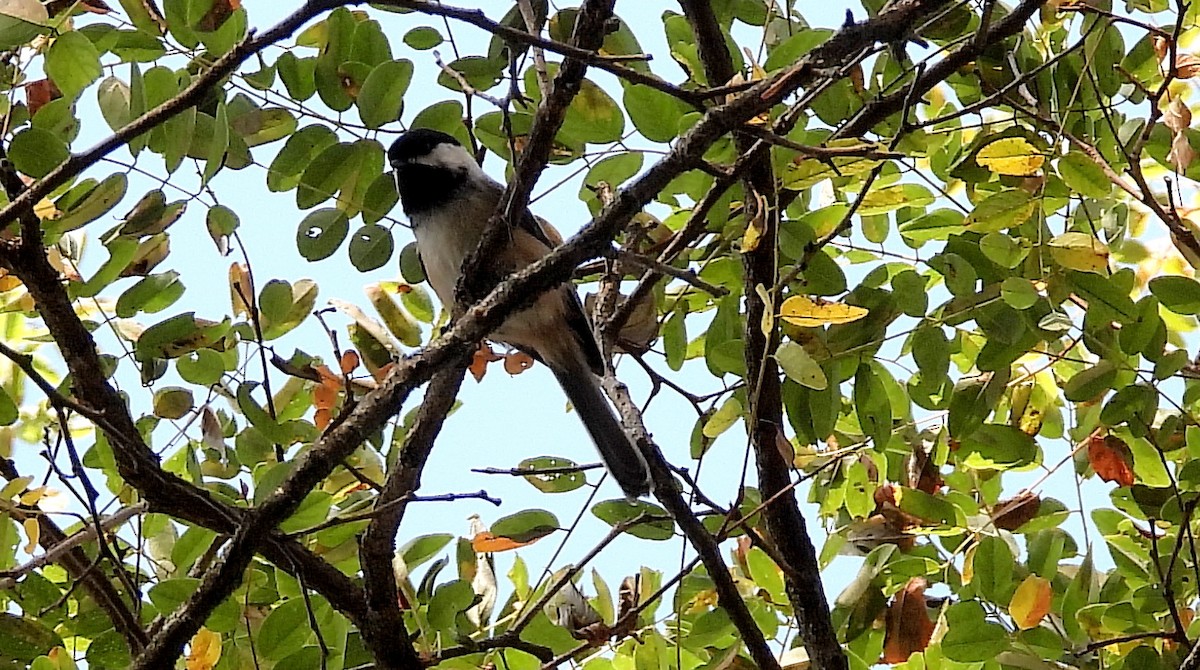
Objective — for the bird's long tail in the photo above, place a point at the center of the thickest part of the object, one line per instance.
(619, 454)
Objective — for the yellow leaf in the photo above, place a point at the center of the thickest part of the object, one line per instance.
(1031, 602)
(34, 532)
(1011, 156)
(32, 496)
(804, 311)
(206, 650)
(1080, 252)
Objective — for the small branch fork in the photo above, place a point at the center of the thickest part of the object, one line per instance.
(254, 531)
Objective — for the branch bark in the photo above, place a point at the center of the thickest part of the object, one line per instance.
(384, 632)
(784, 523)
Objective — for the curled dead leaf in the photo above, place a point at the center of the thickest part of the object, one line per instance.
(907, 626)
(1111, 458)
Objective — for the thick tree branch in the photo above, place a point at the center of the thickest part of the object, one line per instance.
(784, 523)
(384, 632)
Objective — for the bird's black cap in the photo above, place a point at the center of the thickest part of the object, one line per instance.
(418, 142)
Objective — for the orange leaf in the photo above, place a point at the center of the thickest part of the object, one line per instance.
(485, 542)
(321, 418)
(350, 361)
(907, 624)
(517, 362)
(1110, 458)
(206, 650)
(479, 363)
(1031, 602)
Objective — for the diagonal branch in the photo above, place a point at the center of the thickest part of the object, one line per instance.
(384, 632)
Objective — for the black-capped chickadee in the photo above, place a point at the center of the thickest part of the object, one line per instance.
(448, 199)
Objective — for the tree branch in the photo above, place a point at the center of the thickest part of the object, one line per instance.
(384, 633)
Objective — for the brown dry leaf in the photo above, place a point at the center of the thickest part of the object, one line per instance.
(39, 93)
(350, 361)
(205, 650)
(1111, 458)
(479, 362)
(628, 597)
(864, 535)
(1161, 47)
(1030, 602)
(211, 434)
(907, 624)
(1181, 154)
(923, 475)
(241, 290)
(1186, 66)
(517, 362)
(784, 446)
(1177, 116)
(217, 15)
(1015, 512)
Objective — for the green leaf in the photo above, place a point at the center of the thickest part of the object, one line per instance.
(9, 412)
(284, 630)
(871, 405)
(371, 247)
(73, 63)
(36, 152)
(1091, 382)
(321, 233)
(382, 95)
(24, 639)
(410, 264)
(526, 526)
(724, 418)
(891, 198)
(152, 293)
(298, 75)
(995, 445)
(553, 482)
(97, 202)
(297, 154)
(20, 22)
(1083, 175)
(1005, 209)
(113, 96)
(593, 116)
(285, 305)
(1178, 294)
(969, 637)
(173, 402)
(615, 512)
(423, 38)
(219, 145)
(655, 114)
(420, 549)
(800, 367)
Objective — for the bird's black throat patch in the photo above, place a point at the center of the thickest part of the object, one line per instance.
(425, 187)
